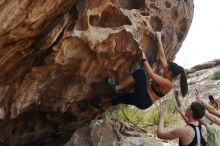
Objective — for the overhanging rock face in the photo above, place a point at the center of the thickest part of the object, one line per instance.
(56, 54)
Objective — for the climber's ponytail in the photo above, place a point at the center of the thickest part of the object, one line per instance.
(178, 70)
(183, 82)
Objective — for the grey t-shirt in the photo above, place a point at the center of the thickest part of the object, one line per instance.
(213, 133)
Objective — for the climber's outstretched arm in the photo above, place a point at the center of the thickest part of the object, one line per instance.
(158, 79)
(161, 53)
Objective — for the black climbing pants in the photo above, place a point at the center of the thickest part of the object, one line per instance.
(140, 97)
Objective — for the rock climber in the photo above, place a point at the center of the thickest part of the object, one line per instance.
(148, 86)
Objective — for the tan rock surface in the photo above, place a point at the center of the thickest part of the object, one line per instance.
(113, 133)
(55, 55)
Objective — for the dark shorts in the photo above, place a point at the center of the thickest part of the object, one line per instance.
(140, 97)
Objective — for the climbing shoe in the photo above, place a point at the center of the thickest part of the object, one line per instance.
(112, 83)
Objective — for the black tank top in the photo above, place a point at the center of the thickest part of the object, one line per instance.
(194, 141)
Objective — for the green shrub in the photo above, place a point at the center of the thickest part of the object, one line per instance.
(128, 114)
(216, 75)
(142, 118)
(152, 117)
(171, 114)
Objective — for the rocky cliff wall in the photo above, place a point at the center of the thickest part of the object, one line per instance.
(206, 65)
(55, 55)
(201, 76)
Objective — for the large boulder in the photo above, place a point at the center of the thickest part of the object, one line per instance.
(56, 54)
(113, 133)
